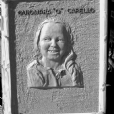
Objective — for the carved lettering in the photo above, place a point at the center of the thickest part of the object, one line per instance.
(57, 11)
(34, 12)
(81, 10)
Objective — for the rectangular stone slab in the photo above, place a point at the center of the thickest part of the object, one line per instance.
(87, 25)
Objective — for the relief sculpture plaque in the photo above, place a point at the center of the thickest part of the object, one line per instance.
(56, 66)
(53, 56)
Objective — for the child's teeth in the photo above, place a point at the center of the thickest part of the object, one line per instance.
(53, 51)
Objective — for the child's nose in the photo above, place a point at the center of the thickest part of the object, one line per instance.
(53, 43)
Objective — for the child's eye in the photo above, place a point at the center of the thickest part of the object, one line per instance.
(61, 40)
(47, 39)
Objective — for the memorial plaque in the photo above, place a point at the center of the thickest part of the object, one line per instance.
(54, 55)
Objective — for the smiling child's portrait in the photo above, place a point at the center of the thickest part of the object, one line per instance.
(56, 65)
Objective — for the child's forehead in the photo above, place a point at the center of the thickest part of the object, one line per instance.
(54, 25)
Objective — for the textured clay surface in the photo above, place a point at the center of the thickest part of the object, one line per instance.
(85, 28)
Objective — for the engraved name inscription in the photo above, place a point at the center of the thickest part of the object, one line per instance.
(57, 11)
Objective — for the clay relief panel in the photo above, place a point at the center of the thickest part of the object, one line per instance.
(55, 65)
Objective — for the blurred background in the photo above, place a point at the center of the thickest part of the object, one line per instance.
(111, 39)
(110, 58)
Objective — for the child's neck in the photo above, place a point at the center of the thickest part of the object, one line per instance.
(51, 64)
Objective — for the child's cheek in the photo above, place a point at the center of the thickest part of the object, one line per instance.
(45, 46)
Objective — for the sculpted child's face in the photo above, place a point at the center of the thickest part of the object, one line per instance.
(52, 41)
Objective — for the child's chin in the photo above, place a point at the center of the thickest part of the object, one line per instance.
(54, 58)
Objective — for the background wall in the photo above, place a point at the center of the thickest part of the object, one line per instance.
(85, 28)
